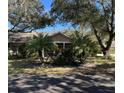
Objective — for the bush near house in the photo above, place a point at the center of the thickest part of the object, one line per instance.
(80, 49)
(39, 44)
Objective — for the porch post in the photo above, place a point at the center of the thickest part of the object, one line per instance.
(17, 51)
(64, 45)
(43, 53)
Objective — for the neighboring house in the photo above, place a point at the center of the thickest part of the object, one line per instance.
(17, 39)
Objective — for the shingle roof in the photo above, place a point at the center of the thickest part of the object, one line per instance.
(20, 37)
(24, 37)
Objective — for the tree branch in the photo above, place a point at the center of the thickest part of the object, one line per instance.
(107, 21)
(109, 42)
(14, 27)
(112, 18)
(98, 38)
(16, 24)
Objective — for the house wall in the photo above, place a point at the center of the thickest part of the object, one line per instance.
(60, 38)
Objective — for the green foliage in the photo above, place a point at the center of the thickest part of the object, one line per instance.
(69, 10)
(65, 59)
(83, 46)
(80, 49)
(27, 15)
(10, 56)
(20, 53)
(40, 43)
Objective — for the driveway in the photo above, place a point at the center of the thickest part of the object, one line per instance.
(74, 83)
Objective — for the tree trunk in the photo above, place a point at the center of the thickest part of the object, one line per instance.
(105, 49)
(40, 56)
(106, 54)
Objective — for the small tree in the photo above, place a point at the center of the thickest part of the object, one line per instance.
(83, 46)
(39, 44)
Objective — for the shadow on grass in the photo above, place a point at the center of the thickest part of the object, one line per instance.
(106, 69)
(34, 67)
(23, 63)
(76, 83)
(18, 66)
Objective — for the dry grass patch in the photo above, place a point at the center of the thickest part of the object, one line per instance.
(21, 67)
(55, 70)
(43, 70)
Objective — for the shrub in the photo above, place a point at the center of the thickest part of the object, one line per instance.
(65, 59)
(39, 44)
(83, 46)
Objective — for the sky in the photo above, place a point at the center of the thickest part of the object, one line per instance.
(57, 27)
(47, 4)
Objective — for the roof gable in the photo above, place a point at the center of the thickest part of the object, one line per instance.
(59, 37)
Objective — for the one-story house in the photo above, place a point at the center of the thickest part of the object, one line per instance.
(17, 39)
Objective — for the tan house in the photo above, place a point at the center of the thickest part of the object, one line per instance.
(17, 39)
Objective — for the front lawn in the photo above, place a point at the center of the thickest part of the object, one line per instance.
(30, 67)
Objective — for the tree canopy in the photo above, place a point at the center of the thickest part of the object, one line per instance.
(27, 15)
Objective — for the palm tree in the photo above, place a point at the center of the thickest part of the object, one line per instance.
(83, 46)
(39, 44)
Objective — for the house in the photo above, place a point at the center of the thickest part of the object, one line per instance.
(17, 39)
(61, 40)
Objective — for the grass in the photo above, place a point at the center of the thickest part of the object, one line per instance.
(40, 70)
(16, 67)
(100, 60)
(26, 67)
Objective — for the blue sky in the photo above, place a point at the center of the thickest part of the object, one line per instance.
(56, 27)
(47, 4)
